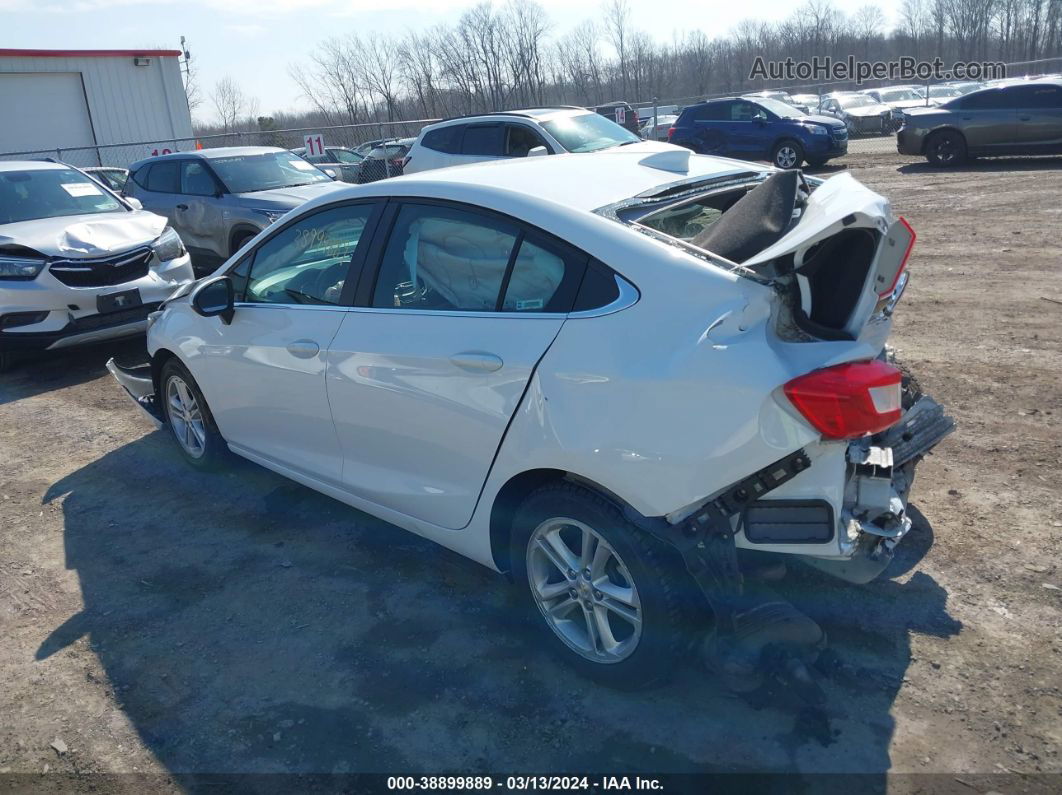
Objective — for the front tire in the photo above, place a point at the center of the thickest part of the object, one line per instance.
(604, 592)
(189, 418)
(945, 149)
(787, 154)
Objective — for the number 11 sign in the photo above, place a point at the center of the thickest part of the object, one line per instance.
(314, 144)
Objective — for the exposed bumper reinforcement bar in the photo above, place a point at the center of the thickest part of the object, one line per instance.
(137, 383)
(922, 427)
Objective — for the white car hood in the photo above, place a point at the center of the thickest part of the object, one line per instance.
(868, 110)
(89, 235)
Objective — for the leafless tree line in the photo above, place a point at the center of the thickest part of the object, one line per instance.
(509, 55)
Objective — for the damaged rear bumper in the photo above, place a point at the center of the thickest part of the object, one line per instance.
(880, 474)
(140, 387)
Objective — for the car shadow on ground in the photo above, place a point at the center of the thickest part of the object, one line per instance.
(987, 164)
(49, 370)
(248, 624)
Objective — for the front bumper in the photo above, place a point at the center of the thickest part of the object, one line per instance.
(140, 387)
(909, 142)
(62, 316)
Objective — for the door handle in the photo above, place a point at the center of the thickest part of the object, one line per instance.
(182, 206)
(477, 361)
(303, 349)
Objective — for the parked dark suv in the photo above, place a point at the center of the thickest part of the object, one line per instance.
(759, 129)
(1023, 119)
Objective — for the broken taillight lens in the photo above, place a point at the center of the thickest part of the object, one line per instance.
(849, 400)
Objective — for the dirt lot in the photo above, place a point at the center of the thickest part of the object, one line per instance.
(157, 620)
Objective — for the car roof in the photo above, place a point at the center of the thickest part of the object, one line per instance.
(211, 154)
(603, 178)
(32, 165)
(536, 114)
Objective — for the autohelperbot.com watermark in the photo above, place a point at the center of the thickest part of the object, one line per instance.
(827, 69)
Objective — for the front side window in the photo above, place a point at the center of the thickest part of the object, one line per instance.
(50, 193)
(992, 99)
(442, 258)
(196, 180)
(307, 262)
(588, 132)
(345, 156)
(1038, 97)
(520, 140)
(266, 171)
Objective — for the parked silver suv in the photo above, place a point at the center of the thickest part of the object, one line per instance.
(218, 199)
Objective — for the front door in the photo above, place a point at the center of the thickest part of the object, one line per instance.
(265, 373)
(1039, 110)
(197, 215)
(425, 377)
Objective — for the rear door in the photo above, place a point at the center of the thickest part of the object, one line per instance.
(158, 188)
(1039, 116)
(712, 130)
(427, 369)
(197, 213)
(990, 121)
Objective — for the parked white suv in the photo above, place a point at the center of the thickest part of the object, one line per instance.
(605, 375)
(519, 133)
(78, 263)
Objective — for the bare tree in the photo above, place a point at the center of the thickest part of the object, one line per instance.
(231, 104)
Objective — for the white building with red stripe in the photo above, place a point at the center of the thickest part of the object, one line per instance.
(71, 104)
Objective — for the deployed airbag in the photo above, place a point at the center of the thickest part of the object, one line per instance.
(757, 220)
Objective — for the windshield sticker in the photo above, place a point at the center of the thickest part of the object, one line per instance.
(77, 189)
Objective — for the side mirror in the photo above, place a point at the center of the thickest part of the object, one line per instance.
(135, 203)
(215, 298)
(537, 151)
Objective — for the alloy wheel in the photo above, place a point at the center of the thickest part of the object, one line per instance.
(786, 157)
(186, 417)
(584, 590)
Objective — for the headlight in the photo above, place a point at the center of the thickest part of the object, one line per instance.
(168, 246)
(20, 268)
(272, 215)
(817, 130)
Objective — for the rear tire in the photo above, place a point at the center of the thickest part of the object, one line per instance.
(605, 594)
(189, 419)
(787, 154)
(945, 149)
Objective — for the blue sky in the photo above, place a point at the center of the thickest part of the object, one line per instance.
(254, 41)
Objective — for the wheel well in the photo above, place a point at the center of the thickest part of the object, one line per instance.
(239, 233)
(506, 502)
(786, 139)
(956, 130)
(158, 361)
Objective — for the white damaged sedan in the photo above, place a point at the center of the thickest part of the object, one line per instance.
(617, 377)
(78, 264)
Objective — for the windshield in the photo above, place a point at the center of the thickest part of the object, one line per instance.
(589, 132)
(51, 193)
(944, 91)
(249, 173)
(898, 95)
(779, 108)
(857, 101)
(346, 156)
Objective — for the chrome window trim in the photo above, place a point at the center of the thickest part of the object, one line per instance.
(628, 296)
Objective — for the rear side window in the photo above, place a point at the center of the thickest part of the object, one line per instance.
(598, 288)
(446, 259)
(545, 277)
(444, 139)
(1038, 97)
(163, 177)
(716, 111)
(483, 140)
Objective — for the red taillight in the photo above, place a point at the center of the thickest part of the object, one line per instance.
(670, 132)
(849, 400)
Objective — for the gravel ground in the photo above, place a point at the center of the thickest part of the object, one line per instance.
(159, 621)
